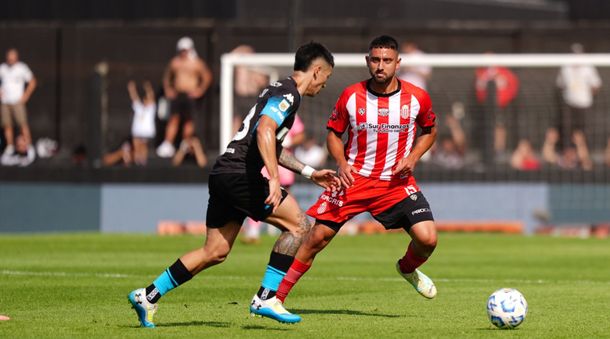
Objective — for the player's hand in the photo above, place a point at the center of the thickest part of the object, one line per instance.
(405, 167)
(275, 194)
(345, 175)
(326, 178)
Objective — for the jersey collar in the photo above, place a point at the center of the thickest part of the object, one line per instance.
(368, 88)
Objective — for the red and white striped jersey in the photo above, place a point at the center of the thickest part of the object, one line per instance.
(381, 126)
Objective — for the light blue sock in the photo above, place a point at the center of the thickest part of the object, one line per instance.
(165, 282)
(272, 278)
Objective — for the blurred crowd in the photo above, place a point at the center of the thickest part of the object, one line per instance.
(162, 125)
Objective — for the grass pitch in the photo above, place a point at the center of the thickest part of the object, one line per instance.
(76, 286)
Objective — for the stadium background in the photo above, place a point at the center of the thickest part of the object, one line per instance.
(64, 41)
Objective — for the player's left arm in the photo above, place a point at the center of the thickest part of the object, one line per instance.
(325, 177)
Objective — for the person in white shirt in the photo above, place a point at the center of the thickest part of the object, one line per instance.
(143, 124)
(578, 84)
(14, 94)
(417, 75)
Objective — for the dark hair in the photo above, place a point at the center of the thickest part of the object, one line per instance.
(384, 41)
(308, 53)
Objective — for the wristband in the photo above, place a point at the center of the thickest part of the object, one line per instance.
(307, 171)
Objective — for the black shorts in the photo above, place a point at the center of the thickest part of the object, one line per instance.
(233, 197)
(184, 106)
(404, 214)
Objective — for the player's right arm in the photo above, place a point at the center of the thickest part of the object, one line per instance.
(337, 124)
(335, 148)
(265, 137)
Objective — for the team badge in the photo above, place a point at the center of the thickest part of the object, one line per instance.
(284, 105)
(361, 111)
(413, 197)
(404, 111)
(322, 208)
(334, 115)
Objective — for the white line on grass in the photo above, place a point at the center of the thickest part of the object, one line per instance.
(343, 278)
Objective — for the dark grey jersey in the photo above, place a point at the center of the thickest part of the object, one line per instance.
(279, 101)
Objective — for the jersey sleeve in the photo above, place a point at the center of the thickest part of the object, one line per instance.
(339, 118)
(426, 117)
(279, 107)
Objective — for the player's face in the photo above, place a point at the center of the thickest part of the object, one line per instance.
(383, 63)
(322, 71)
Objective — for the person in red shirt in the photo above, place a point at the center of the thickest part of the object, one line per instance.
(376, 166)
(504, 87)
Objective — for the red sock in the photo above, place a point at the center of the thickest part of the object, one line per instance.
(410, 261)
(296, 270)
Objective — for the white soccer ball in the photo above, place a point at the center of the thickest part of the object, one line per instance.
(506, 308)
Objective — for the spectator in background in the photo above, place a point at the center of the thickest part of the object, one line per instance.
(578, 84)
(23, 154)
(570, 156)
(249, 82)
(496, 88)
(190, 146)
(417, 75)
(186, 79)
(143, 123)
(123, 154)
(14, 94)
(451, 151)
(524, 158)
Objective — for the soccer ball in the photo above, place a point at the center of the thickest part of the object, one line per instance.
(506, 308)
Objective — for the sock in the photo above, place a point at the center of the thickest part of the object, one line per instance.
(410, 261)
(276, 270)
(174, 276)
(296, 270)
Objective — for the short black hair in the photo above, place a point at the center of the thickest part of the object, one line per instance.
(384, 41)
(308, 53)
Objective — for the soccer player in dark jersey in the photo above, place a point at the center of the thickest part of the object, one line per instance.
(376, 166)
(238, 189)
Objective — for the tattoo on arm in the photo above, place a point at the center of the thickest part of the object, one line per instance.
(288, 243)
(288, 160)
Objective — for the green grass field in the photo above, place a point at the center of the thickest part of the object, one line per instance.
(76, 286)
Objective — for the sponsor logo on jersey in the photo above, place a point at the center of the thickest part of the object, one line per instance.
(289, 97)
(322, 208)
(421, 210)
(275, 84)
(230, 150)
(284, 105)
(384, 112)
(383, 128)
(361, 111)
(404, 111)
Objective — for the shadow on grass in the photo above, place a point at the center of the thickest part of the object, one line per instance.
(196, 323)
(348, 312)
(264, 328)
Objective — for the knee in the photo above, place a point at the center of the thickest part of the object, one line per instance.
(217, 255)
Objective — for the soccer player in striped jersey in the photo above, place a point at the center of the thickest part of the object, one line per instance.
(238, 189)
(376, 166)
